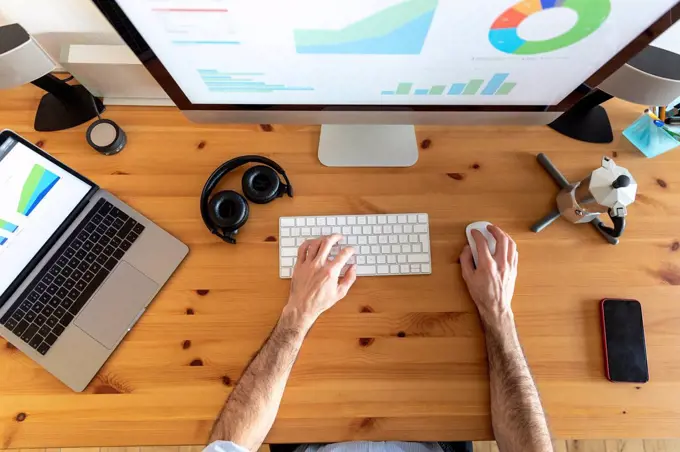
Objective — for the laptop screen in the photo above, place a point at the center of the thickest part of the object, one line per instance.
(36, 196)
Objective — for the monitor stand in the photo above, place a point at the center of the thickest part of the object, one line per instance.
(368, 145)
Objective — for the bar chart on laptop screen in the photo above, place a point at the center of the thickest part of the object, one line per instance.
(24, 185)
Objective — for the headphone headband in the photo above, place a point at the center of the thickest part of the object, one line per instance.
(222, 171)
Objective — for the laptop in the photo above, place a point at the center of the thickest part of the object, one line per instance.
(78, 267)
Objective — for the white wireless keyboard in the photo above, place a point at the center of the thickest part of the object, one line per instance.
(386, 245)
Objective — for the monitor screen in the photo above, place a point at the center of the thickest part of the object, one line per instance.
(387, 52)
(37, 196)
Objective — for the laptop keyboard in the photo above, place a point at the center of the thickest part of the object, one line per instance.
(71, 277)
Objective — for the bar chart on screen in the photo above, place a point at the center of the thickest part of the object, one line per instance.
(495, 86)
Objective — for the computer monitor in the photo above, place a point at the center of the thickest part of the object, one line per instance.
(383, 62)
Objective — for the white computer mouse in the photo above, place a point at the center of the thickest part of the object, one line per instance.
(481, 227)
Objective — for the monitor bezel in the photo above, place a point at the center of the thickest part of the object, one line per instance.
(159, 72)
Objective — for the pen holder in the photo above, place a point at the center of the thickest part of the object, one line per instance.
(649, 138)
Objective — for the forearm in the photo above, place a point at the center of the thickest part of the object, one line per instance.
(251, 408)
(518, 419)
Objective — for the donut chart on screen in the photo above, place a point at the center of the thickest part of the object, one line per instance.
(503, 34)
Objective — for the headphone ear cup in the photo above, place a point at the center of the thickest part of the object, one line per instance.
(261, 184)
(228, 210)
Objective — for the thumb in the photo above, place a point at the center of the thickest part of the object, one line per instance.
(347, 281)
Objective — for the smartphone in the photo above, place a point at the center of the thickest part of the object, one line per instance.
(624, 341)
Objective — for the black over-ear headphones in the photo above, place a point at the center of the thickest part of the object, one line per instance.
(227, 211)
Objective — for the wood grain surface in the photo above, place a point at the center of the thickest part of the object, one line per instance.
(400, 357)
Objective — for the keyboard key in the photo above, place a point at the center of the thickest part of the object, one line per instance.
(310, 221)
(40, 287)
(69, 284)
(97, 249)
(59, 312)
(40, 319)
(47, 311)
(50, 339)
(288, 252)
(30, 316)
(391, 219)
(105, 207)
(10, 324)
(412, 219)
(84, 265)
(20, 328)
(77, 274)
(405, 269)
(62, 292)
(132, 237)
(101, 229)
(91, 257)
(52, 321)
(59, 328)
(111, 232)
(101, 259)
(138, 229)
(79, 255)
(366, 269)
(54, 271)
(29, 332)
(401, 219)
(94, 268)
(394, 269)
(110, 264)
(74, 294)
(383, 269)
(286, 272)
(87, 246)
(66, 272)
(69, 253)
(287, 222)
(54, 302)
(418, 258)
(425, 268)
(88, 276)
(118, 254)
(59, 280)
(44, 330)
(33, 296)
(118, 223)
(67, 318)
(422, 218)
(98, 238)
(36, 341)
(43, 349)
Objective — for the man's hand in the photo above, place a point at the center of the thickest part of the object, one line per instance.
(492, 284)
(316, 285)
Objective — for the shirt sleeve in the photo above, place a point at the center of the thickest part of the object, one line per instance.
(224, 446)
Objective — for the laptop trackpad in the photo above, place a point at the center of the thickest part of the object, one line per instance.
(115, 306)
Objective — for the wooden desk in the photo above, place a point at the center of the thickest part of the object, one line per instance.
(357, 378)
